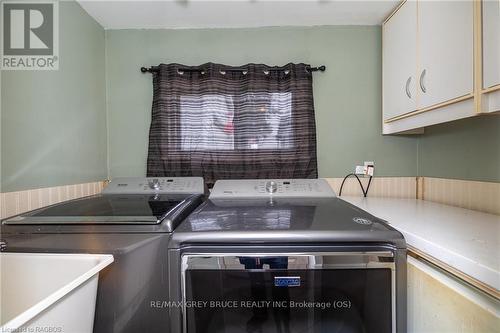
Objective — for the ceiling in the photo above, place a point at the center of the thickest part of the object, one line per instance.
(181, 14)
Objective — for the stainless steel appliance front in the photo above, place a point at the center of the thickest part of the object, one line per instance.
(364, 282)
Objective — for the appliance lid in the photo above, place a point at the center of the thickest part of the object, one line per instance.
(281, 214)
(291, 220)
(105, 209)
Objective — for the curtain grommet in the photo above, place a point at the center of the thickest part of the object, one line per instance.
(180, 72)
(266, 72)
(222, 72)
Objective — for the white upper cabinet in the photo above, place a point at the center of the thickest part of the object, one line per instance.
(399, 62)
(491, 43)
(428, 63)
(446, 51)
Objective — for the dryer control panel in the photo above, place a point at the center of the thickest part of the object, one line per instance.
(155, 185)
(275, 188)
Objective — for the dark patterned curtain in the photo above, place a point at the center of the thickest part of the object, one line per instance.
(218, 122)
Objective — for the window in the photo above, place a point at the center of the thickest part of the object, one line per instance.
(216, 122)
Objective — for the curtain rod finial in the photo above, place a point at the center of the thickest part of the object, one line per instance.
(322, 68)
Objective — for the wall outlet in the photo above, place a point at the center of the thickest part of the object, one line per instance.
(366, 170)
(359, 170)
(369, 168)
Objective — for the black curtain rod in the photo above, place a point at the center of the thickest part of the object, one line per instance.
(152, 69)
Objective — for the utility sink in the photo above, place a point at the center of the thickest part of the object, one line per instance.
(42, 292)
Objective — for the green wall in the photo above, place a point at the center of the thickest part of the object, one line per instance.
(53, 123)
(347, 96)
(464, 149)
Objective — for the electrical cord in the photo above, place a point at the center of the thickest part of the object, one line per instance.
(365, 192)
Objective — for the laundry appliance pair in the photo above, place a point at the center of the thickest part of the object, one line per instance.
(257, 256)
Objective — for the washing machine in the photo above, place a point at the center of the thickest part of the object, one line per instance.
(285, 256)
(132, 219)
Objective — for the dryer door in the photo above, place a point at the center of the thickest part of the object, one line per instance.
(318, 292)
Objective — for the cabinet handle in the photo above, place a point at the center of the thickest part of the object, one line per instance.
(408, 93)
(422, 84)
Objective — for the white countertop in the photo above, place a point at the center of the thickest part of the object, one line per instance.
(466, 240)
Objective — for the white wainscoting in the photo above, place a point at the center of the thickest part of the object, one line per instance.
(12, 203)
(389, 187)
(480, 196)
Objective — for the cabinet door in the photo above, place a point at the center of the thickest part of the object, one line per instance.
(399, 61)
(491, 43)
(445, 39)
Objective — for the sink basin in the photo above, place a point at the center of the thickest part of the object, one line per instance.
(42, 292)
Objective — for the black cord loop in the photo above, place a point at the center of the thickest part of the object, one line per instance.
(365, 192)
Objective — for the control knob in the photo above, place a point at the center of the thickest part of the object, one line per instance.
(154, 184)
(271, 186)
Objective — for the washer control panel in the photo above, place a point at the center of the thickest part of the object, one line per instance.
(154, 185)
(276, 188)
